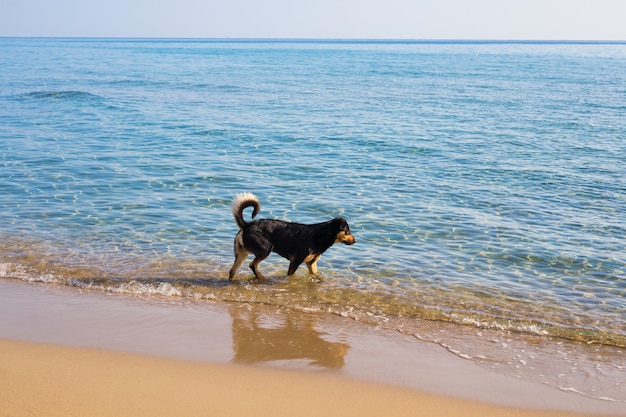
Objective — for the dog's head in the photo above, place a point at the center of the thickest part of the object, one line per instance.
(343, 232)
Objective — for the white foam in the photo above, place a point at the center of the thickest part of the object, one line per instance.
(21, 272)
(524, 327)
(138, 288)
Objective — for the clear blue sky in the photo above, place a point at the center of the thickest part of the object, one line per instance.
(389, 19)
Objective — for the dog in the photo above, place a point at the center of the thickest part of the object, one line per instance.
(294, 241)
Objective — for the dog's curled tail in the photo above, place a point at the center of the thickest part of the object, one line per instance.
(243, 201)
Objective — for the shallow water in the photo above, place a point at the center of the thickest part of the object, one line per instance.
(484, 182)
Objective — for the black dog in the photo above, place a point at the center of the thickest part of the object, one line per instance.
(296, 242)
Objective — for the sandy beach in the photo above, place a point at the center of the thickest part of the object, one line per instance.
(53, 380)
(66, 352)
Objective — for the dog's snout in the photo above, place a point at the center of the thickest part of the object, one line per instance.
(345, 237)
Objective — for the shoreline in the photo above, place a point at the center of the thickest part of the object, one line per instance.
(232, 336)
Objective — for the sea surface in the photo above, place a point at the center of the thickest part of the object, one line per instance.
(485, 183)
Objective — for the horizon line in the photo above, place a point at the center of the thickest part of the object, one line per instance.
(330, 39)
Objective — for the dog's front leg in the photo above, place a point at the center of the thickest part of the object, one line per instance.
(312, 265)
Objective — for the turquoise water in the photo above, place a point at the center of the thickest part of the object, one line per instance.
(485, 182)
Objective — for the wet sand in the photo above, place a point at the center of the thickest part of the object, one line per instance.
(70, 352)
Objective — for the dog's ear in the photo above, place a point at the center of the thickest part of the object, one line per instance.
(341, 224)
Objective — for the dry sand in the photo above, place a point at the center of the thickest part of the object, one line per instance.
(66, 352)
(49, 380)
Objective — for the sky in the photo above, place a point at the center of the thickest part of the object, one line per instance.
(334, 19)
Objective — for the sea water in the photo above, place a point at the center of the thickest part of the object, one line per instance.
(485, 182)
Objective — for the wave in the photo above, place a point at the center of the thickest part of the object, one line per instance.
(71, 95)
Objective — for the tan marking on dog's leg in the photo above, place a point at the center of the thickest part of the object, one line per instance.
(312, 267)
(240, 255)
(254, 264)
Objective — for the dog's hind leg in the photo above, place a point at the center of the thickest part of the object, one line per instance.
(255, 263)
(239, 258)
(240, 255)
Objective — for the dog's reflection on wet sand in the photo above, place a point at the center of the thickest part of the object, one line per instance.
(259, 338)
